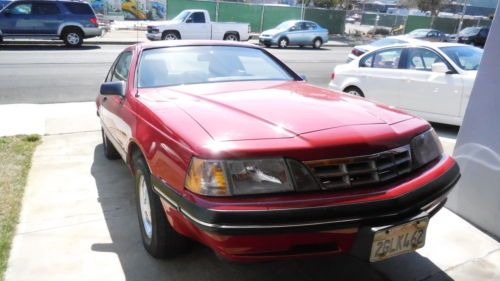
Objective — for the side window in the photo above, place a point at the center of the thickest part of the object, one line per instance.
(422, 59)
(21, 9)
(387, 58)
(122, 67)
(78, 8)
(432, 34)
(45, 8)
(198, 17)
(366, 61)
(310, 26)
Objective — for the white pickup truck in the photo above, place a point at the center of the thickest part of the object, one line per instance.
(196, 24)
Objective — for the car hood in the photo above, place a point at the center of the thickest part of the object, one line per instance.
(235, 111)
(271, 32)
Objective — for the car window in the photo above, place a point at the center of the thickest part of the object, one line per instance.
(45, 8)
(386, 59)
(422, 59)
(465, 57)
(122, 67)
(198, 17)
(310, 26)
(366, 61)
(21, 9)
(432, 34)
(206, 64)
(78, 8)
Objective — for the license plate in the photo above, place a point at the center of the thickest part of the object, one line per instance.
(399, 239)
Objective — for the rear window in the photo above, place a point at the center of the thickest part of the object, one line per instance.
(79, 8)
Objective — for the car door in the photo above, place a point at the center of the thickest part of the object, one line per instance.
(17, 19)
(46, 17)
(295, 34)
(196, 27)
(311, 32)
(112, 108)
(380, 77)
(426, 93)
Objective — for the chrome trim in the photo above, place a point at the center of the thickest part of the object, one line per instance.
(164, 196)
(219, 226)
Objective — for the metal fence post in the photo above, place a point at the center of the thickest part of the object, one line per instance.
(262, 16)
(217, 10)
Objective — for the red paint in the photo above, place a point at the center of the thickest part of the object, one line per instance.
(258, 119)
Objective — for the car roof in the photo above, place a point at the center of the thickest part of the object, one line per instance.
(187, 43)
(422, 43)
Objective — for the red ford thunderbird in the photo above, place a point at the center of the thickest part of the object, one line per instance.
(231, 148)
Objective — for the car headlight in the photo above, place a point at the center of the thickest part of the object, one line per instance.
(425, 148)
(238, 177)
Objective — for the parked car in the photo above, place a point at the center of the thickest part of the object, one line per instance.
(429, 35)
(474, 35)
(358, 50)
(70, 21)
(196, 24)
(295, 33)
(431, 80)
(231, 148)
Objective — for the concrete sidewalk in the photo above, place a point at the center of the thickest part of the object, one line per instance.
(78, 222)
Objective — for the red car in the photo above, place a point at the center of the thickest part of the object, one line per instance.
(233, 149)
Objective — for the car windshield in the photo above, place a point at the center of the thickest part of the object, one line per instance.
(470, 31)
(466, 57)
(206, 64)
(182, 16)
(419, 33)
(285, 25)
(387, 42)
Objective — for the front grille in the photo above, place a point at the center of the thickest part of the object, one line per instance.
(362, 171)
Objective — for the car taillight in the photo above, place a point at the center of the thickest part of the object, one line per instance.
(356, 52)
(333, 75)
(94, 21)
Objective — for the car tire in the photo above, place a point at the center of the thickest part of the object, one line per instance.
(109, 149)
(170, 35)
(73, 38)
(158, 237)
(317, 43)
(355, 91)
(282, 43)
(231, 36)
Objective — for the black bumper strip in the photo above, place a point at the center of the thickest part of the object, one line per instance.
(317, 218)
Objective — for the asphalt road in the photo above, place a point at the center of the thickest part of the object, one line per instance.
(53, 74)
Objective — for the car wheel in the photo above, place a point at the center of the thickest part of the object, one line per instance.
(355, 91)
(231, 37)
(158, 237)
(73, 38)
(317, 43)
(109, 149)
(282, 43)
(169, 35)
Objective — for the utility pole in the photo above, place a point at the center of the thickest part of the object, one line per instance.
(462, 16)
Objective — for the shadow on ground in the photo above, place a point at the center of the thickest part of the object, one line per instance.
(116, 196)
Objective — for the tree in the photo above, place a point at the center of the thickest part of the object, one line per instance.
(429, 5)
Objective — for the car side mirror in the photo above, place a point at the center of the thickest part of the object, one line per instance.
(189, 21)
(440, 67)
(293, 28)
(116, 88)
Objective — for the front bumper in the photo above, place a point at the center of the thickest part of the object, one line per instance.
(153, 36)
(282, 233)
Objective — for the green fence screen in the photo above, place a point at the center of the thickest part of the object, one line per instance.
(333, 20)
(416, 22)
(174, 7)
(445, 25)
(238, 12)
(274, 15)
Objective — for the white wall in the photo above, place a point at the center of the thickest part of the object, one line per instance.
(477, 195)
